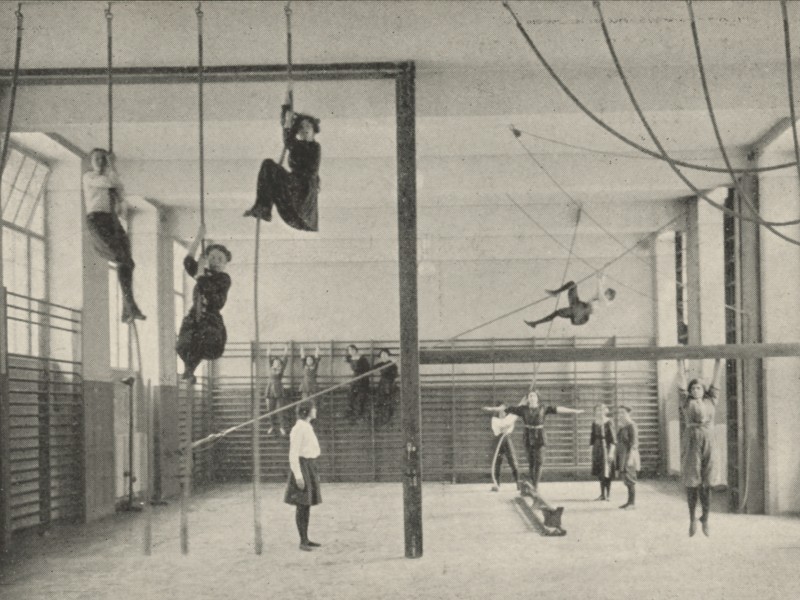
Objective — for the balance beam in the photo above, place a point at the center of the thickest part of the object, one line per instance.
(450, 356)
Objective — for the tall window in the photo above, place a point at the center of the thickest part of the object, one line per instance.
(24, 247)
(178, 289)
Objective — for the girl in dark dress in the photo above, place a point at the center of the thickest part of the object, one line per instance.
(359, 389)
(274, 392)
(303, 488)
(697, 408)
(603, 443)
(308, 386)
(102, 192)
(202, 335)
(578, 311)
(387, 390)
(293, 193)
(628, 461)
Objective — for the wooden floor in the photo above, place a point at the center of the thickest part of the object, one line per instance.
(478, 544)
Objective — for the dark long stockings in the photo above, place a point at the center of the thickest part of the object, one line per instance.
(302, 518)
(605, 487)
(704, 493)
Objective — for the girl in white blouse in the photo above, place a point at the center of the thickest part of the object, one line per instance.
(303, 489)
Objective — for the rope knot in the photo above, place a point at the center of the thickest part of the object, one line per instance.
(109, 16)
(199, 10)
(18, 13)
(288, 8)
(517, 133)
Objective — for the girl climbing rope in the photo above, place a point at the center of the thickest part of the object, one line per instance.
(293, 193)
(102, 190)
(202, 335)
(578, 311)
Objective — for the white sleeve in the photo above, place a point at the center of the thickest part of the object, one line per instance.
(296, 439)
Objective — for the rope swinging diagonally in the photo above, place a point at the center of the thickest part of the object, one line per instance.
(657, 142)
(608, 127)
(712, 116)
(563, 280)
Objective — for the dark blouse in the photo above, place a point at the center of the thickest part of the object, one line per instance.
(389, 374)
(211, 289)
(359, 367)
(304, 156)
(309, 384)
(533, 421)
(606, 434)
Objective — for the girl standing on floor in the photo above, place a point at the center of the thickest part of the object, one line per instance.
(502, 427)
(387, 390)
(303, 489)
(202, 335)
(603, 443)
(102, 192)
(274, 392)
(628, 462)
(697, 406)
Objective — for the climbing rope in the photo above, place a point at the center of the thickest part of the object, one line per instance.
(721, 145)
(656, 141)
(613, 131)
(789, 82)
(12, 98)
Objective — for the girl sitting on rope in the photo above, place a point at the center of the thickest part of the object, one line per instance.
(293, 193)
(202, 335)
(103, 194)
(274, 393)
(578, 311)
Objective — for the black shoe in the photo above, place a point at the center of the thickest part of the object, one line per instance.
(189, 377)
(306, 547)
(626, 505)
(531, 324)
(692, 528)
(313, 544)
(706, 530)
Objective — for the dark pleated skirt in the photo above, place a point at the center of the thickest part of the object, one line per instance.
(201, 338)
(109, 238)
(311, 495)
(293, 194)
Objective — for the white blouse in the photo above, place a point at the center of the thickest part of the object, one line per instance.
(503, 425)
(303, 443)
(96, 190)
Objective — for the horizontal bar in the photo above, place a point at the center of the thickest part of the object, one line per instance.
(215, 74)
(448, 356)
(45, 302)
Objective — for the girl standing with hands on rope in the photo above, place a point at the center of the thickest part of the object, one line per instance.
(697, 406)
(578, 311)
(293, 193)
(533, 415)
(203, 335)
(102, 191)
(502, 427)
(603, 443)
(303, 489)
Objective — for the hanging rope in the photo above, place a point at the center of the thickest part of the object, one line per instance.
(658, 144)
(720, 144)
(109, 77)
(517, 133)
(789, 82)
(201, 119)
(287, 9)
(565, 247)
(563, 280)
(12, 100)
(613, 131)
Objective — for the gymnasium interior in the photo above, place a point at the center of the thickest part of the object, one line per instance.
(474, 156)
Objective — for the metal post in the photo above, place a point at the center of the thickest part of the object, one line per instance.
(148, 487)
(44, 449)
(409, 323)
(5, 450)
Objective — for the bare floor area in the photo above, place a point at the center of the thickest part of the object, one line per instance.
(477, 544)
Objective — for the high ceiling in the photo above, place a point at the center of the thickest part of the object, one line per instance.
(476, 75)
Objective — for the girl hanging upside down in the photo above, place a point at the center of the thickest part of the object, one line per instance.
(293, 193)
(202, 335)
(103, 194)
(578, 311)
